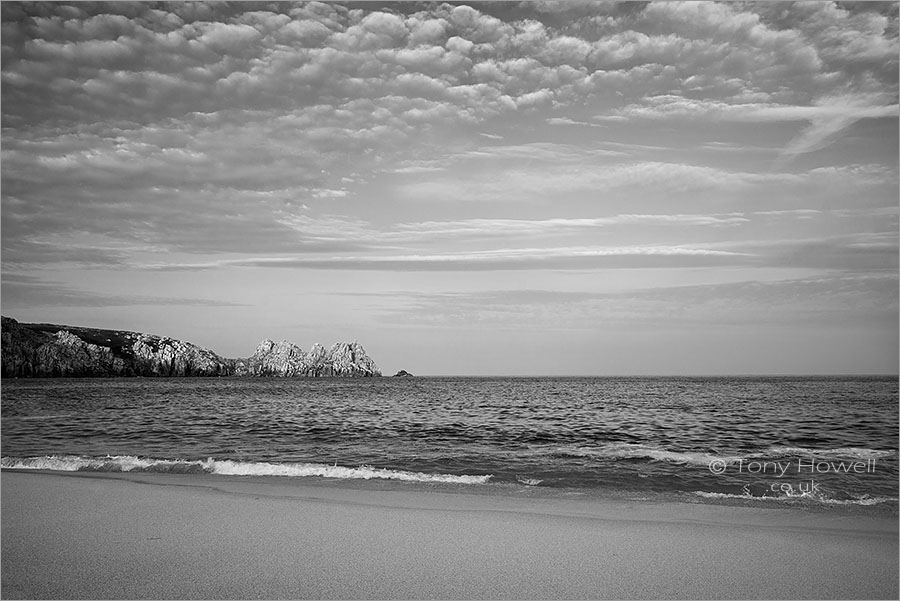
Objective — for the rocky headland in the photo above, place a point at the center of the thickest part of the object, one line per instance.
(49, 350)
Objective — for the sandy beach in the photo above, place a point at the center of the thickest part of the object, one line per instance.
(83, 535)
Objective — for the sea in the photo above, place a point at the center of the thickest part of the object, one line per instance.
(815, 442)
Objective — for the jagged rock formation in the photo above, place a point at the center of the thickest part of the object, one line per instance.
(46, 350)
(349, 359)
(69, 355)
(285, 359)
(167, 357)
(276, 359)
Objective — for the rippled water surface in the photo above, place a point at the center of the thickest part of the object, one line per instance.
(703, 436)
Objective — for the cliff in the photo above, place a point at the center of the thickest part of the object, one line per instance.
(47, 350)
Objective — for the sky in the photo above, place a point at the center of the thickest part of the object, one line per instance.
(502, 188)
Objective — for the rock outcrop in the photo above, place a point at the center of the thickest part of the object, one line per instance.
(69, 355)
(285, 359)
(403, 374)
(275, 359)
(168, 357)
(47, 350)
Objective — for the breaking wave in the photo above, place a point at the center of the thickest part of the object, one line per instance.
(640, 451)
(128, 463)
(654, 453)
(843, 452)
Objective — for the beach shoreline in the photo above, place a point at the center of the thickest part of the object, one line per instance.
(146, 535)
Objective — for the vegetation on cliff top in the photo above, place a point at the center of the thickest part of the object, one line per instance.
(50, 350)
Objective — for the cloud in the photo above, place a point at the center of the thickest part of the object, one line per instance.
(837, 114)
(556, 226)
(567, 121)
(404, 248)
(828, 116)
(494, 259)
(22, 291)
(228, 128)
(580, 174)
(871, 252)
(19, 252)
(850, 37)
(538, 151)
(672, 106)
(816, 301)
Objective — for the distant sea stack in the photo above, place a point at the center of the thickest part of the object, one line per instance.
(49, 350)
(285, 359)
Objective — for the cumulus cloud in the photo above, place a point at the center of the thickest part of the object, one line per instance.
(203, 128)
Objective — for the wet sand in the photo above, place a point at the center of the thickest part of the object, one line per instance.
(84, 535)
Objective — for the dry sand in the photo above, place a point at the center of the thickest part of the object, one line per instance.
(182, 536)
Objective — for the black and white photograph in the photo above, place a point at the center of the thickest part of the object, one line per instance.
(534, 299)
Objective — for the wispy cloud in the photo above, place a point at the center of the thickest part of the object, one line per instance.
(784, 302)
(827, 117)
(495, 259)
(567, 121)
(556, 226)
(862, 253)
(24, 291)
(835, 114)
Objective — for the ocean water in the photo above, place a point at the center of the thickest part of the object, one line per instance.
(798, 440)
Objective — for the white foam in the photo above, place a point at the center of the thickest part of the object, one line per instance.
(635, 451)
(843, 452)
(528, 481)
(364, 472)
(52, 462)
(74, 463)
(128, 463)
(722, 495)
(862, 500)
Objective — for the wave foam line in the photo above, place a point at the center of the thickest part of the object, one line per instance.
(843, 452)
(863, 500)
(639, 451)
(128, 463)
(365, 472)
